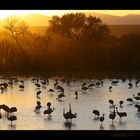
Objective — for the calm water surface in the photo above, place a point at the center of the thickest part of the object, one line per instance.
(96, 98)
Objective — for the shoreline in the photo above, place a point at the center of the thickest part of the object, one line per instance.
(80, 74)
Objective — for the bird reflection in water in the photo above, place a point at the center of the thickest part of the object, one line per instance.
(112, 126)
(69, 125)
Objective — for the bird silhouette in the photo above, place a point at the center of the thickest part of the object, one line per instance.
(138, 107)
(21, 87)
(51, 90)
(130, 100)
(110, 88)
(137, 98)
(130, 85)
(69, 115)
(38, 93)
(96, 112)
(111, 102)
(102, 119)
(49, 111)
(121, 114)
(60, 96)
(11, 118)
(112, 115)
(76, 95)
(121, 102)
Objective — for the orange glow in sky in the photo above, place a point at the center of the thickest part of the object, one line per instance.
(5, 13)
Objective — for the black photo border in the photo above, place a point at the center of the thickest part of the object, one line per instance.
(69, 5)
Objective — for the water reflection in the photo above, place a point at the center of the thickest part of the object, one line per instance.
(12, 127)
(49, 118)
(121, 123)
(69, 125)
(112, 126)
(101, 127)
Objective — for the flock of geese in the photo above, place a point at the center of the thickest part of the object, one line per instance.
(43, 82)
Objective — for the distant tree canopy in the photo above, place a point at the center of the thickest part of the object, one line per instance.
(73, 42)
(78, 26)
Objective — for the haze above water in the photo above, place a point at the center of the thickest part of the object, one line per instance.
(96, 98)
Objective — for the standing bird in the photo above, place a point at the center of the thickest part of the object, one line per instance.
(76, 95)
(49, 111)
(130, 85)
(96, 112)
(38, 106)
(51, 90)
(137, 98)
(110, 88)
(138, 107)
(21, 87)
(84, 84)
(130, 100)
(138, 93)
(60, 96)
(12, 110)
(111, 102)
(12, 118)
(90, 85)
(37, 85)
(69, 115)
(112, 115)
(84, 88)
(136, 83)
(121, 114)
(121, 102)
(102, 118)
(38, 93)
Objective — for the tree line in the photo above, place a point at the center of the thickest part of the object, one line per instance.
(72, 42)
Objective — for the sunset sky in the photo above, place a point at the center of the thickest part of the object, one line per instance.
(5, 13)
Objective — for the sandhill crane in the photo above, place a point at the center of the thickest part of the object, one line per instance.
(21, 87)
(138, 107)
(138, 93)
(37, 85)
(115, 82)
(38, 93)
(90, 85)
(136, 83)
(130, 85)
(12, 118)
(111, 102)
(110, 88)
(60, 96)
(130, 100)
(69, 115)
(49, 111)
(60, 88)
(112, 115)
(84, 88)
(102, 119)
(137, 98)
(96, 112)
(121, 102)
(38, 106)
(51, 90)
(76, 95)
(98, 84)
(84, 84)
(12, 109)
(55, 84)
(121, 114)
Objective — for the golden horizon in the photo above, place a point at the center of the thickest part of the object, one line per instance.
(6, 13)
